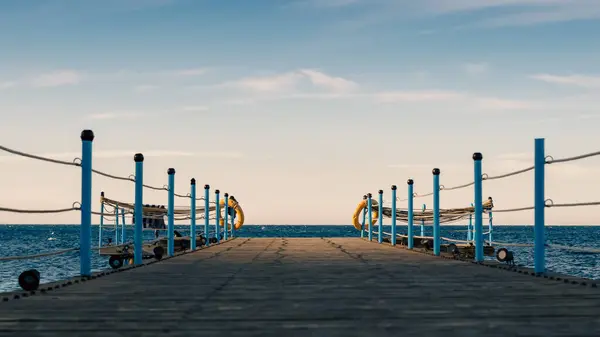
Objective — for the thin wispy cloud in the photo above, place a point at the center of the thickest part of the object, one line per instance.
(584, 81)
(475, 69)
(57, 78)
(195, 108)
(144, 88)
(115, 115)
(7, 85)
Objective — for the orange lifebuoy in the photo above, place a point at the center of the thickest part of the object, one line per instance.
(358, 213)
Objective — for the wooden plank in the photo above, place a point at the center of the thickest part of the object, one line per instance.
(315, 287)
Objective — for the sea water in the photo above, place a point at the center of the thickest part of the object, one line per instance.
(17, 240)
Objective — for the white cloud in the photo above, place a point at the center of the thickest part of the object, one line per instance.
(291, 81)
(143, 88)
(115, 115)
(190, 72)
(57, 78)
(417, 96)
(584, 81)
(476, 68)
(195, 108)
(7, 85)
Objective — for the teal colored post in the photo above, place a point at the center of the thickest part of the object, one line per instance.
(393, 241)
(410, 183)
(477, 158)
(171, 213)
(206, 212)
(423, 221)
(470, 226)
(101, 219)
(364, 220)
(370, 210)
(218, 216)
(116, 225)
(193, 215)
(226, 216)
(380, 217)
(436, 211)
(539, 205)
(85, 237)
(490, 227)
(123, 232)
(139, 208)
(233, 219)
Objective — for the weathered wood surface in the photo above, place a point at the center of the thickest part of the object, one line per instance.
(308, 287)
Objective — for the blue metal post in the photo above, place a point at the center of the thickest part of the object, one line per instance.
(226, 216)
(218, 216)
(101, 219)
(370, 210)
(423, 221)
(364, 220)
(490, 227)
(410, 183)
(171, 213)
(206, 212)
(436, 211)
(123, 233)
(380, 217)
(393, 241)
(139, 208)
(116, 225)
(477, 157)
(85, 238)
(233, 218)
(470, 226)
(193, 215)
(539, 204)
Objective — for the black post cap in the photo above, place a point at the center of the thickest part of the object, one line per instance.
(101, 194)
(217, 191)
(436, 171)
(394, 187)
(193, 181)
(477, 156)
(369, 195)
(138, 157)
(380, 192)
(87, 135)
(226, 195)
(171, 171)
(206, 187)
(365, 197)
(410, 181)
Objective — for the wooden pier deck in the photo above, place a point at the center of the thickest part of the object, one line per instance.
(308, 287)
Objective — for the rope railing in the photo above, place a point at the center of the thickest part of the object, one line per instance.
(438, 216)
(141, 215)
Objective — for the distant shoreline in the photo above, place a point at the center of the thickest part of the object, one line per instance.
(485, 225)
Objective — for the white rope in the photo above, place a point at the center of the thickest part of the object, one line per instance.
(550, 160)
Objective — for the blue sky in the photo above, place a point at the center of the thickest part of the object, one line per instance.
(299, 107)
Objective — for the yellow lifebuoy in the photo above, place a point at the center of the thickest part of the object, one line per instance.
(239, 213)
(358, 213)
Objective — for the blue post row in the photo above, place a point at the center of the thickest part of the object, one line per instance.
(206, 213)
(101, 219)
(171, 213)
(380, 218)
(370, 210)
(193, 215)
(539, 204)
(233, 219)
(85, 237)
(218, 216)
(410, 183)
(139, 208)
(470, 226)
(226, 216)
(490, 227)
(393, 239)
(436, 211)
(477, 157)
(123, 232)
(423, 208)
